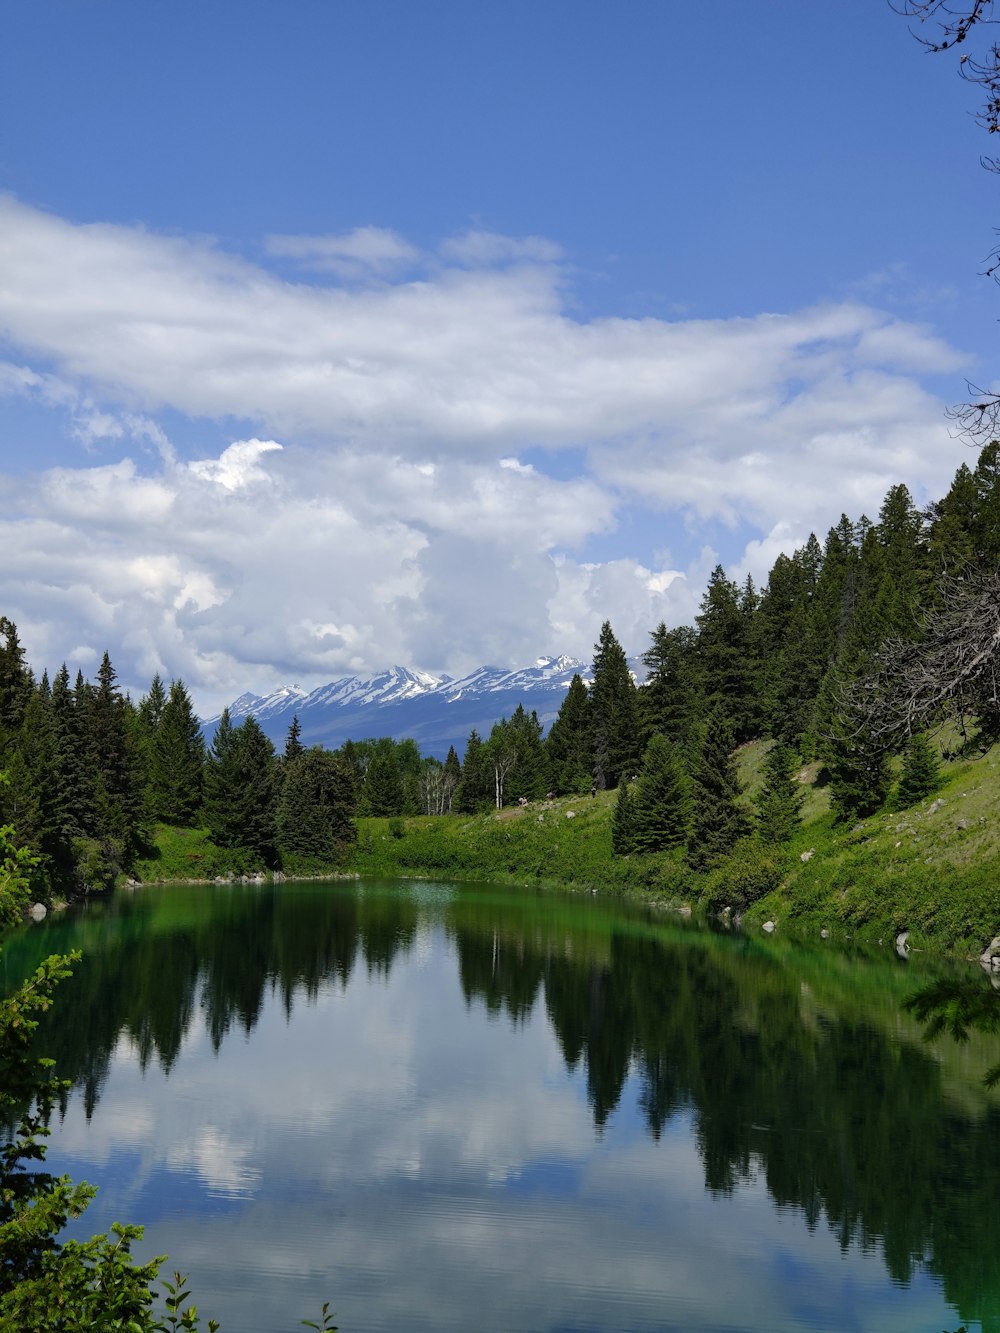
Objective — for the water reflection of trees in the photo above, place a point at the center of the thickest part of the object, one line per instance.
(840, 1120)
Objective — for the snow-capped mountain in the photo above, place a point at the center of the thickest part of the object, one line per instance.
(436, 711)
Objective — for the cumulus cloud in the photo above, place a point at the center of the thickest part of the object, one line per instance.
(379, 505)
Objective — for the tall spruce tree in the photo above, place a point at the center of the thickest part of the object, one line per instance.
(718, 819)
(614, 711)
(661, 799)
(475, 790)
(451, 776)
(241, 788)
(568, 744)
(315, 811)
(530, 775)
(669, 697)
(178, 759)
(115, 750)
(723, 653)
(15, 682)
(293, 741)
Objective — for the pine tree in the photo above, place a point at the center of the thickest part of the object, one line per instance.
(530, 774)
(43, 818)
(614, 713)
(315, 811)
(382, 792)
(779, 803)
(15, 682)
(241, 788)
(568, 744)
(293, 742)
(178, 754)
(921, 774)
(661, 799)
(111, 733)
(950, 539)
(622, 822)
(723, 654)
(669, 698)
(718, 819)
(451, 776)
(857, 767)
(475, 790)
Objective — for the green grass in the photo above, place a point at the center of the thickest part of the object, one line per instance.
(190, 854)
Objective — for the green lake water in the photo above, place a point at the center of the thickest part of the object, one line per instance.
(447, 1107)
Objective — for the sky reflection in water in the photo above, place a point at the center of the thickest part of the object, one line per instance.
(471, 1110)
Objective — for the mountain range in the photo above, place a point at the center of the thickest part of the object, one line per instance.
(435, 711)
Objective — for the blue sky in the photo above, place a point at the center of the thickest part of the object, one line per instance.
(549, 307)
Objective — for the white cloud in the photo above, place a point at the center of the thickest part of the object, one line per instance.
(238, 466)
(364, 251)
(399, 519)
(480, 249)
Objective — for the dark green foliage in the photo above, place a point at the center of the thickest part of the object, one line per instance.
(569, 742)
(450, 778)
(724, 656)
(113, 746)
(661, 801)
(241, 789)
(177, 759)
(779, 803)
(15, 681)
(857, 765)
(475, 790)
(530, 776)
(614, 712)
(316, 807)
(669, 698)
(293, 742)
(623, 822)
(921, 775)
(382, 791)
(718, 819)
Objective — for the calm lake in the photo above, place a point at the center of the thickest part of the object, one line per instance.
(448, 1107)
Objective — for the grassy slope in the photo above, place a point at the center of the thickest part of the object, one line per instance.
(934, 869)
(935, 872)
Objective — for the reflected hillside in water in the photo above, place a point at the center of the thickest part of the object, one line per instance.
(795, 1067)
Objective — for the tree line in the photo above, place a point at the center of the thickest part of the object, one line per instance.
(851, 649)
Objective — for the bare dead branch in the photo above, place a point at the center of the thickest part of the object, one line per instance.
(953, 669)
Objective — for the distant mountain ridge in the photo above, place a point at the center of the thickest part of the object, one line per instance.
(435, 711)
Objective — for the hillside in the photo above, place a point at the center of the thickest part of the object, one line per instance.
(932, 870)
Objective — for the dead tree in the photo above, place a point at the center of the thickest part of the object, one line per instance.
(951, 671)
